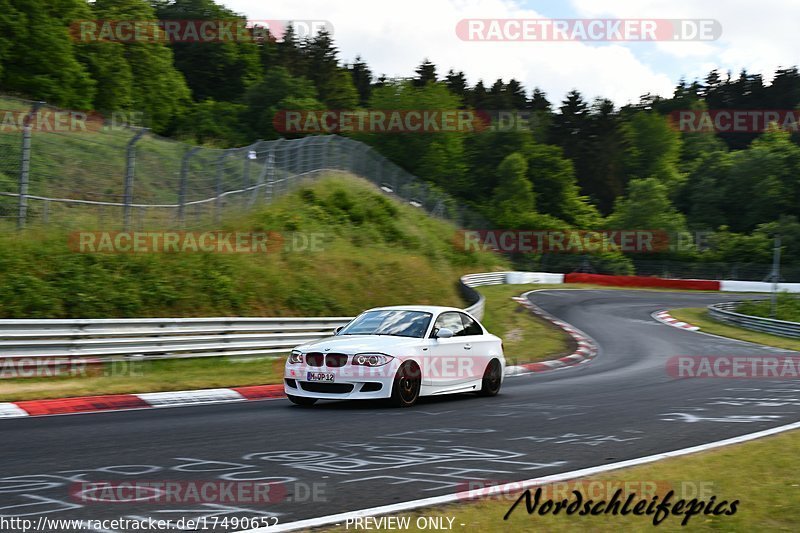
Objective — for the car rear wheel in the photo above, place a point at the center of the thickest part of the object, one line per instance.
(301, 400)
(492, 379)
(407, 382)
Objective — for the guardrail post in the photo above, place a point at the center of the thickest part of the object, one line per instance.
(25, 166)
(353, 159)
(776, 276)
(182, 184)
(270, 171)
(249, 155)
(218, 186)
(302, 154)
(130, 157)
(326, 152)
(396, 181)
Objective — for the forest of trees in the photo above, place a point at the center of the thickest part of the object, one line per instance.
(580, 163)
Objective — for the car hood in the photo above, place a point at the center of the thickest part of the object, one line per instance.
(352, 344)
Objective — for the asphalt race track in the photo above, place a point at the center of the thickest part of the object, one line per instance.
(349, 456)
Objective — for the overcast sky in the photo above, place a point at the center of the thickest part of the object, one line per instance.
(394, 37)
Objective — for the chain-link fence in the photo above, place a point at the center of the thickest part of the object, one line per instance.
(59, 170)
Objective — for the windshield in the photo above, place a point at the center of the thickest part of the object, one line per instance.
(395, 323)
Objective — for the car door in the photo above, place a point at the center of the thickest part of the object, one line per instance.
(446, 360)
(477, 346)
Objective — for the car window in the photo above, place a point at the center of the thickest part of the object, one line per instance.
(392, 322)
(471, 327)
(450, 320)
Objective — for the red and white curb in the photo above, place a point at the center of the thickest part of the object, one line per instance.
(148, 400)
(587, 347)
(665, 318)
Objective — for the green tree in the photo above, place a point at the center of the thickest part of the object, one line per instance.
(553, 177)
(291, 54)
(728, 247)
(108, 66)
(338, 91)
(276, 90)
(486, 150)
(216, 123)
(513, 198)
(457, 83)
(362, 80)
(9, 22)
(446, 164)
(158, 89)
(704, 197)
(38, 52)
(334, 84)
(426, 73)
(652, 150)
(219, 70)
(762, 184)
(646, 206)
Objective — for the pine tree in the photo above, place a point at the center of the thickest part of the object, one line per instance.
(426, 73)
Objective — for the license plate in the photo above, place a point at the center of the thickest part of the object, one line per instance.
(319, 376)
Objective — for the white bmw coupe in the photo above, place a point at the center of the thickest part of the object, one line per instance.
(399, 353)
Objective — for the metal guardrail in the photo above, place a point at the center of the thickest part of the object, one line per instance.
(478, 305)
(175, 338)
(159, 338)
(725, 312)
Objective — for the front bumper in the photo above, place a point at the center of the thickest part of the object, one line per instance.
(350, 382)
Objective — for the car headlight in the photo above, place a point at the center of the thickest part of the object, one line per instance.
(296, 357)
(371, 359)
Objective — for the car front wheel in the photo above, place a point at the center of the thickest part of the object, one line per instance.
(407, 382)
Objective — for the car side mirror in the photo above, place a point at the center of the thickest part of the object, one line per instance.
(337, 330)
(444, 333)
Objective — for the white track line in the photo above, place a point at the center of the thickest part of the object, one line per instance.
(336, 519)
(519, 485)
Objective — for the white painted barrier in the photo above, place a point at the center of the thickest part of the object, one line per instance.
(522, 278)
(756, 286)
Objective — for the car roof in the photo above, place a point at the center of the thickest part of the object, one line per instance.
(424, 308)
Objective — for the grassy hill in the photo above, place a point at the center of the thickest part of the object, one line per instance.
(375, 251)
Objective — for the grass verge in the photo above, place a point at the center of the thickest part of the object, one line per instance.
(700, 317)
(369, 250)
(787, 308)
(762, 475)
(526, 338)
